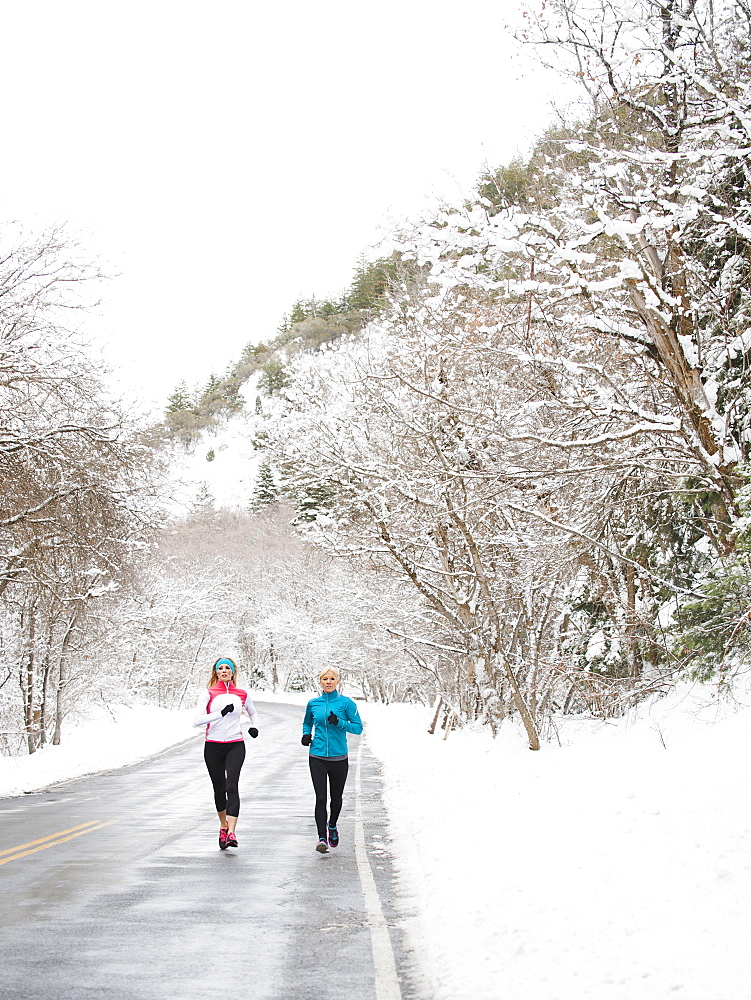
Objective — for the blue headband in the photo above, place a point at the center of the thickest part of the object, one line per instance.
(228, 662)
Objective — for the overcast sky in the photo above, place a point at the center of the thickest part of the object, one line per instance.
(225, 159)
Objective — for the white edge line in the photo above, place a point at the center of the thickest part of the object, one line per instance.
(386, 979)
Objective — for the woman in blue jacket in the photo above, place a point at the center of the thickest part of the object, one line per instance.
(327, 721)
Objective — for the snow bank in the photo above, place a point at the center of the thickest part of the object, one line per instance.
(612, 867)
(102, 739)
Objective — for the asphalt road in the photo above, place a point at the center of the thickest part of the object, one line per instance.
(113, 886)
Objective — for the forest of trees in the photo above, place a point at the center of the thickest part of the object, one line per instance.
(547, 434)
(508, 466)
(79, 486)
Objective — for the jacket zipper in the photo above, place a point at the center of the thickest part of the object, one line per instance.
(226, 685)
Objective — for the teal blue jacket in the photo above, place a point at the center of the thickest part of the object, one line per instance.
(328, 740)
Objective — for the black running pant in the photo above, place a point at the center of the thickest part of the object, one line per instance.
(336, 772)
(224, 762)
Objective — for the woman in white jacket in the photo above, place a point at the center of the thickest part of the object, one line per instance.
(219, 709)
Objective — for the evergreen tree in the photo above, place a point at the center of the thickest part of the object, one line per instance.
(273, 377)
(265, 491)
(315, 499)
(179, 400)
(212, 386)
(204, 500)
(333, 307)
(298, 314)
(283, 325)
(506, 186)
(370, 286)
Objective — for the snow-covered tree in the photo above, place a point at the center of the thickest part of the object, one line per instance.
(404, 434)
(250, 586)
(641, 246)
(545, 434)
(78, 488)
(265, 490)
(626, 279)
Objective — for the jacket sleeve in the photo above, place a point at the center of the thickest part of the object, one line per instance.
(353, 723)
(307, 722)
(203, 718)
(251, 710)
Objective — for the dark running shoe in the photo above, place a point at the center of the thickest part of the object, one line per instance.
(223, 839)
(333, 837)
(322, 846)
(231, 839)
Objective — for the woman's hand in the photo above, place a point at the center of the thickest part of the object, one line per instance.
(227, 709)
(307, 739)
(333, 719)
(253, 732)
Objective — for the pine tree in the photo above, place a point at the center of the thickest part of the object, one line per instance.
(272, 378)
(370, 285)
(179, 400)
(265, 491)
(316, 499)
(212, 386)
(204, 501)
(298, 314)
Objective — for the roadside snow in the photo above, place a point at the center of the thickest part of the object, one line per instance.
(102, 741)
(614, 866)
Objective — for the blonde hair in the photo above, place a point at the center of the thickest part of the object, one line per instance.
(214, 679)
(331, 670)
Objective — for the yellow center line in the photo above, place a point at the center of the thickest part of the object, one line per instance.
(51, 836)
(53, 840)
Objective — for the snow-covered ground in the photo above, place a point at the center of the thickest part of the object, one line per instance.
(616, 866)
(105, 738)
(225, 459)
(102, 741)
(224, 462)
(612, 865)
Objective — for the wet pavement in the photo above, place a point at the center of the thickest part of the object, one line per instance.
(148, 908)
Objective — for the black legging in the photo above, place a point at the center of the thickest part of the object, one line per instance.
(336, 772)
(225, 761)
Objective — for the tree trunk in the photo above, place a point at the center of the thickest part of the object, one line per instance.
(27, 685)
(521, 706)
(62, 677)
(632, 642)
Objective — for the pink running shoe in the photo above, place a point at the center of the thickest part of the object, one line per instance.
(223, 831)
(231, 839)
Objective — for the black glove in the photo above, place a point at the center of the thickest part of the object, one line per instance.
(227, 709)
(253, 732)
(334, 719)
(307, 739)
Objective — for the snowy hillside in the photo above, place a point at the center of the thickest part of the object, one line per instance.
(223, 464)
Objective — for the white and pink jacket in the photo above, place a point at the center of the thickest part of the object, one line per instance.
(224, 728)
